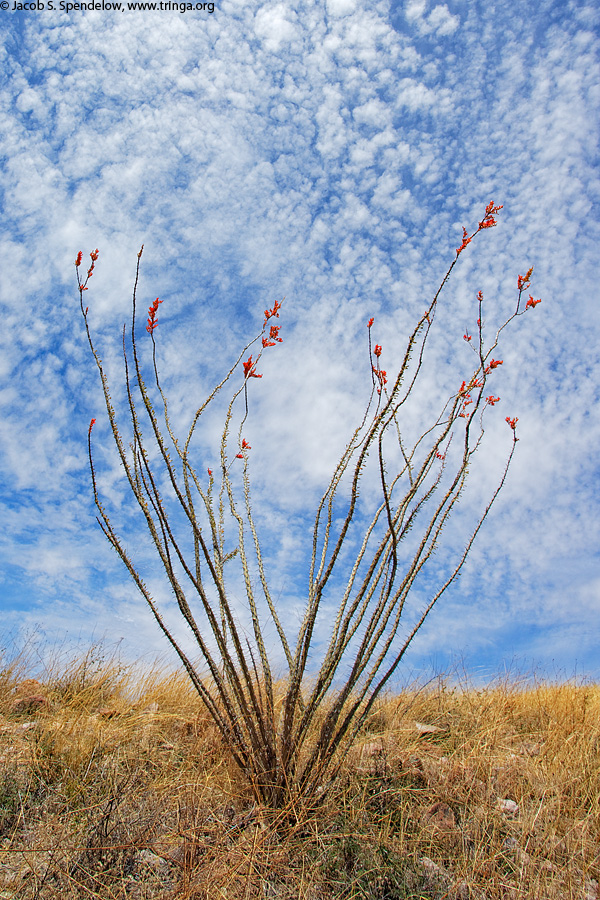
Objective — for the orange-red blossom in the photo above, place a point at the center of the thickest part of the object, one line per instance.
(250, 369)
(466, 240)
(523, 280)
(270, 313)
(493, 365)
(245, 446)
(152, 321)
(488, 221)
(382, 377)
(491, 211)
(273, 336)
(93, 257)
(467, 400)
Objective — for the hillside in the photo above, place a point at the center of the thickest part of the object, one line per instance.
(115, 784)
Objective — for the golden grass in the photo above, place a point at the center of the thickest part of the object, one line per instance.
(115, 784)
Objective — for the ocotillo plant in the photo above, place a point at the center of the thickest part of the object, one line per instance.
(290, 744)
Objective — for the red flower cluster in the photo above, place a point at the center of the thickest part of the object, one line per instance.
(523, 280)
(93, 257)
(532, 303)
(245, 446)
(152, 321)
(468, 400)
(464, 389)
(90, 271)
(493, 365)
(250, 369)
(92, 423)
(273, 337)
(488, 220)
(270, 313)
(466, 240)
(380, 373)
(382, 377)
(492, 400)
(512, 422)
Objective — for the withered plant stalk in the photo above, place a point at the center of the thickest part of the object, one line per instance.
(291, 746)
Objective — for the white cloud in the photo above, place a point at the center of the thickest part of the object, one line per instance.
(440, 20)
(341, 7)
(271, 23)
(374, 112)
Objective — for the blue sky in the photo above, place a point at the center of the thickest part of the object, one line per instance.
(329, 152)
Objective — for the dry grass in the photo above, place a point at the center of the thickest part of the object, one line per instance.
(115, 784)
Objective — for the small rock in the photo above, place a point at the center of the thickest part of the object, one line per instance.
(436, 876)
(432, 870)
(108, 712)
(530, 748)
(29, 704)
(440, 815)
(423, 728)
(30, 697)
(509, 807)
(153, 860)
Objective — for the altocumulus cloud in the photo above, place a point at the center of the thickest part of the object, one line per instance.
(330, 152)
